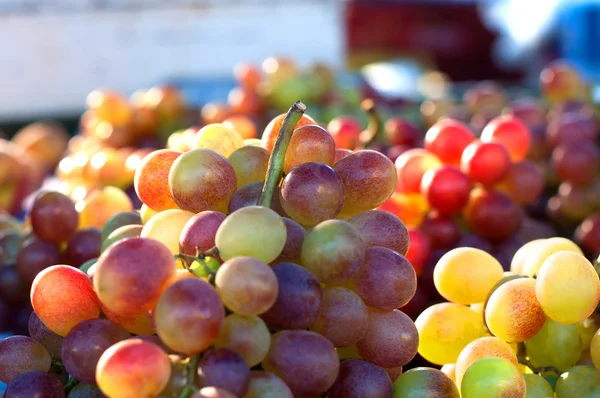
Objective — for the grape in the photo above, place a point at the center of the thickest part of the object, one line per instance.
(250, 164)
(537, 386)
(492, 215)
(571, 127)
(246, 335)
(226, 369)
(249, 194)
(306, 361)
(177, 380)
(63, 296)
(120, 220)
(576, 162)
(560, 82)
(189, 316)
(50, 340)
(419, 250)
(466, 275)
(21, 354)
(474, 241)
(267, 385)
(399, 131)
(133, 367)
(146, 213)
(369, 180)
(555, 345)
(391, 339)
(199, 232)
(524, 183)
(587, 234)
(425, 382)
(504, 251)
(202, 179)
(309, 143)
(442, 230)
(244, 102)
(342, 317)
(539, 252)
(200, 270)
(312, 193)
(136, 324)
(9, 246)
(447, 139)
(385, 280)
(212, 392)
(166, 227)
(293, 243)
(579, 382)
(482, 348)
(35, 384)
(486, 163)
(53, 217)
(345, 131)
(219, 138)
(253, 231)
(100, 205)
(446, 189)
(272, 130)
(214, 112)
(82, 390)
(381, 228)
(492, 377)
(83, 245)
(587, 329)
(242, 125)
(412, 165)
(34, 256)
(13, 288)
(333, 251)
(298, 298)
(449, 370)
(595, 349)
(511, 133)
(84, 345)
(568, 287)
(341, 153)
(127, 231)
(247, 75)
(445, 329)
(247, 286)
(361, 379)
(513, 313)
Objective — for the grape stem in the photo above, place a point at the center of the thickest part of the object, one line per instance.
(70, 385)
(199, 257)
(58, 365)
(541, 370)
(277, 158)
(190, 370)
(375, 128)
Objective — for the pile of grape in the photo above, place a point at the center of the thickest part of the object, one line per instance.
(228, 283)
(530, 332)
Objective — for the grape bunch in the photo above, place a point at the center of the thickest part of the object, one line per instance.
(530, 332)
(250, 271)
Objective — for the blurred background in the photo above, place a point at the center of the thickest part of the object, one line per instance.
(55, 52)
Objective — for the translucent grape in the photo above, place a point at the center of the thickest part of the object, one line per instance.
(127, 231)
(151, 179)
(492, 377)
(447, 139)
(587, 329)
(425, 382)
(518, 260)
(21, 354)
(226, 369)
(446, 189)
(219, 138)
(362, 379)
(166, 227)
(537, 386)
(265, 384)
(510, 132)
(309, 143)
(246, 335)
(486, 163)
(539, 253)
(555, 345)
(100, 205)
(53, 217)
(383, 229)
(250, 164)
(120, 220)
(579, 382)
(412, 165)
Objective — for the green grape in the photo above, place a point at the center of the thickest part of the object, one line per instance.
(424, 383)
(253, 231)
(492, 377)
(200, 271)
(555, 345)
(537, 387)
(579, 382)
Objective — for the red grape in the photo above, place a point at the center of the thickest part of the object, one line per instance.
(244, 102)
(419, 249)
(312, 193)
(369, 180)
(446, 189)
(83, 245)
(560, 82)
(189, 316)
(250, 164)
(293, 243)
(34, 256)
(144, 263)
(381, 228)
(511, 133)
(306, 361)
(151, 179)
(529, 110)
(524, 182)
(85, 343)
(485, 162)
(309, 143)
(53, 217)
(385, 280)
(226, 369)
(571, 127)
(492, 215)
(272, 130)
(345, 131)
(341, 153)
(576, 162)
(442, 231)
(298, 298)
(35, 384)
(63, 296)
(412, 165)
(199, 232)
(248, 76)
(21, 354)
(399, 131)
(45, 336)
(447, 139)
(358, 378)
(588, 234)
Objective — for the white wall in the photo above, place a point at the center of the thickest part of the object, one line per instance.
(54, 52)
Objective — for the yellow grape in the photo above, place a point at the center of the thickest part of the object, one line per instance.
(595, 349)
(540, 252)
(450, 370)
(101, 205)
(465, 275)
(146, 213)
(445, 329)
(166, 227)
(513, 313)
(518, 260)
(482, 348)
(555, 345)
(219, 138)
(568, 287)
(587, 329)
(246, 335)
(253, 141)
(479, 308)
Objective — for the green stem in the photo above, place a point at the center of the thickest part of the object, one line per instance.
(191, 369)
(70, 385)
(58, 365)
(277, 158)
(374, 130)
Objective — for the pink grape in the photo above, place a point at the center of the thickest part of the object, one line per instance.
(383, 229)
